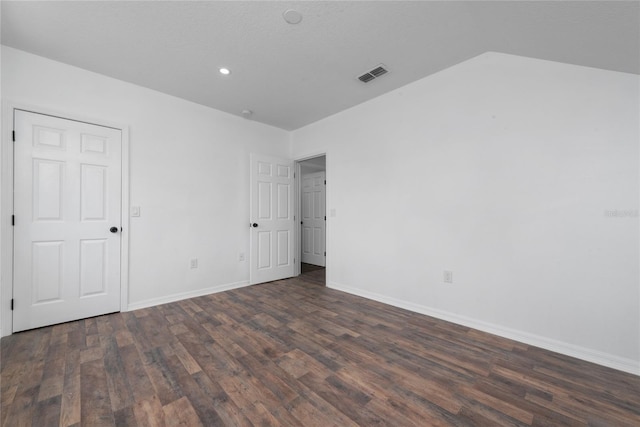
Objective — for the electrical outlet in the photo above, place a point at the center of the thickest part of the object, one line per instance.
(241, 257)
(448, 276)
(193, 263)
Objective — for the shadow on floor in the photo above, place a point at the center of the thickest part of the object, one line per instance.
(313, 274)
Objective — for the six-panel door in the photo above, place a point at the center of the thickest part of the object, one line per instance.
(67, 197)
(313, 218)
(271, 212)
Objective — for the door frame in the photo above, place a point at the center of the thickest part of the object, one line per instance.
(297, 211)
(6, 204)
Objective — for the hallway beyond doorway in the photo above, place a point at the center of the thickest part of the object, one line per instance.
(314, 274)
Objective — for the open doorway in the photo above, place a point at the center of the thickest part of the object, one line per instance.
(313, 219)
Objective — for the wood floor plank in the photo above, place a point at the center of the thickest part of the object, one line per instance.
(499, 405)
(119, 390)
(187, 360)
(139, 382)
(164, 380)
(259, 415)
(310, 415)
(47, 411)
(295, 353)
(125, 417)
(149, 413)
(181, 413)
(94, 395)
(8, 396)
(394, 412)
(348, 400)
(239, 388)
(198, 400)
(23, 409)
(267, 372)
(51, 386)
(71, 403)
(224, 407)
(52, 380)
(297, 363)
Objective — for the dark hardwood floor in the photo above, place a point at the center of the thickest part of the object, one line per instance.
(294, 353)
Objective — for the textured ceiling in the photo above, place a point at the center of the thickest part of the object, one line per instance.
(293, 75)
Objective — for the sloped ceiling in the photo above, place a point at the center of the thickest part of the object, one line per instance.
(293, 75)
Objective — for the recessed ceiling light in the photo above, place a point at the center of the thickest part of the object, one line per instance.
(225, 71)
(292, 16)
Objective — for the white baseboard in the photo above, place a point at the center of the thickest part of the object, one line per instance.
(185, 295)
(622, 364)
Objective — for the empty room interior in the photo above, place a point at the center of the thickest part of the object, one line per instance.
(305, 213)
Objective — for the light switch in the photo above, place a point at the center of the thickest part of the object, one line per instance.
(135, 210)
(332, 212)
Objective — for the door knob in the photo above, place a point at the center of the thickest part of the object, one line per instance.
(113, 229)
(254, 225)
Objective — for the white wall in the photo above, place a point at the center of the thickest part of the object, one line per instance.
(500, 169)
(189, 173)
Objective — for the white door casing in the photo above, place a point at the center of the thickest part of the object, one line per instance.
(67, 197)
(271, 219)
(313, 218)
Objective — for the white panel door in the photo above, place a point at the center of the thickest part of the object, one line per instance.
(67, 207)
(313, 218)
(271, 222)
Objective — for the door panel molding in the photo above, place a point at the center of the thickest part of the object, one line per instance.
(7, 209)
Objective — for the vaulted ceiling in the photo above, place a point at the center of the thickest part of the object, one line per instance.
(290, 75)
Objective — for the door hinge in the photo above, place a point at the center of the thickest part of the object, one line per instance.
(325, 217)
(13, 220)
(13, 135)
(11, 304)
(325, 182)
(325, 253)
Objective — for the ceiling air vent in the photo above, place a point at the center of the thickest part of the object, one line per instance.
(378, 71)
